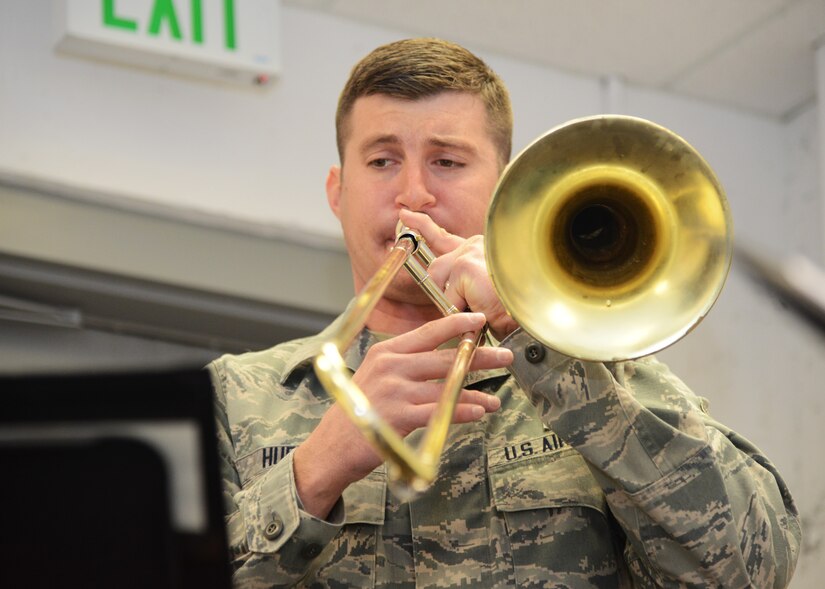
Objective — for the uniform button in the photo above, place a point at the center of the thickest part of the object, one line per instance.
(534, 352)
(274, 529)
(310, 551)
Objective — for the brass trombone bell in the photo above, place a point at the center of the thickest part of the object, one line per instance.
(608, 238)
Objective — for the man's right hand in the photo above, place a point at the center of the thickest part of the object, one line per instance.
(398, 376)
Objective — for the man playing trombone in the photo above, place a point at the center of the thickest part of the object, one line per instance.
(556, 472)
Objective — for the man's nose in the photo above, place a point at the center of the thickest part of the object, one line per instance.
(414, 191)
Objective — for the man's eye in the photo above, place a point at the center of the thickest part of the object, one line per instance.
(445, 163)
(380, 162)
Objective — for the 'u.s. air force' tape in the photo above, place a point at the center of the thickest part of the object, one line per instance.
(545, 445)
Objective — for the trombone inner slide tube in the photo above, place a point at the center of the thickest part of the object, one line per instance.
(411, 470)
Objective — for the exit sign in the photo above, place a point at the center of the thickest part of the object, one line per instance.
(229, 40)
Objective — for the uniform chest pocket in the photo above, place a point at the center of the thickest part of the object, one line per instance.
(350, 558)
(365, 500)
(542, 473)
(555, 514)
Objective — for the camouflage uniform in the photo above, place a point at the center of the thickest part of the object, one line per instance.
(590, 475)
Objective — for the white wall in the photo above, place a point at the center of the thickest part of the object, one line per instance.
(261, 155)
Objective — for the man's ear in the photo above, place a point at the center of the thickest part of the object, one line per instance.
(334, 190)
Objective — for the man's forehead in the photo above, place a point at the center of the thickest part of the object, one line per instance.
(467, 99)
(444, 119)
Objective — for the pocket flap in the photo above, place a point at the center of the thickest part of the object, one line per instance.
(365, 500)
(555, 477)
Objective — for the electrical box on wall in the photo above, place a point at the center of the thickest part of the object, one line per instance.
(227, 40)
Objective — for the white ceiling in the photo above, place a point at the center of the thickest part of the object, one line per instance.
(757, 55)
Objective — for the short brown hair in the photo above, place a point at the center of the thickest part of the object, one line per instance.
(419, 68)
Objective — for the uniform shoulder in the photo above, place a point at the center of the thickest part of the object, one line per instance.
(270, 363)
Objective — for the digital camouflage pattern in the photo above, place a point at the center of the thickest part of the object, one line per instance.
(590, 475)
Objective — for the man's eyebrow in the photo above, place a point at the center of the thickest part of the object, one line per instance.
(453, 143)
(378, 141)
(442, 142)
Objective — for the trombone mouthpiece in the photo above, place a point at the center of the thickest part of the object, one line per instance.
(404, 232)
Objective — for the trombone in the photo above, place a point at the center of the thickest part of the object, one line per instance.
(410, 471)
(607, 239)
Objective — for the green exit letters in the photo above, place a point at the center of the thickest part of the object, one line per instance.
(164, 18)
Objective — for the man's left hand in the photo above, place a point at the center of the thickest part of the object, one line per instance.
(461, 269)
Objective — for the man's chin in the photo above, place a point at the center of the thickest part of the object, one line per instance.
(405, 290)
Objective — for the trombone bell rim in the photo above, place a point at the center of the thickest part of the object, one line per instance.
(608, 238)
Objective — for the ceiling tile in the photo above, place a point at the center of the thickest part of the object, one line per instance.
(753, 54)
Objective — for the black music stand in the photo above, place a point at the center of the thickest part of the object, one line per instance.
(110, 481)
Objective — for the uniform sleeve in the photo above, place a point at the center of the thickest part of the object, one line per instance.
(272, 541)
(700, 506)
